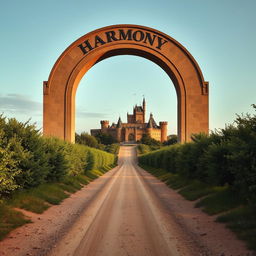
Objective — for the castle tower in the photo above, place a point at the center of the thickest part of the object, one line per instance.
(138, 114)
(104, 125)
(163, 127)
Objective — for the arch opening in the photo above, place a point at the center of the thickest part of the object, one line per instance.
(135, 78)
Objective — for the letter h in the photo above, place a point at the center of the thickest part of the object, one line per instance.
(85, 47)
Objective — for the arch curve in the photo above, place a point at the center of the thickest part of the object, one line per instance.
(80, 56)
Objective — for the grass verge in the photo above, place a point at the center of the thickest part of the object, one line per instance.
(242, 221)
(196, 190)
(224, 199)
(10, 219)
(172, 180)
(40, 198)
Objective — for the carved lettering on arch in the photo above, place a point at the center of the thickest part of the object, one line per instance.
(148, 38)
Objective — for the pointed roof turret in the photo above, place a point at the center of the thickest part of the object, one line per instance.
(119, 123)
(151, 122)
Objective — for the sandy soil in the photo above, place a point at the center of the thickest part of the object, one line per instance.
(125, 212)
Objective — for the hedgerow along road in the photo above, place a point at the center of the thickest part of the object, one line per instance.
(125, 218)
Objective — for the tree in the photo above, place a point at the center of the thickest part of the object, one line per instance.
(87, 140)
(172, 139)
(147, 140)
(106, 139)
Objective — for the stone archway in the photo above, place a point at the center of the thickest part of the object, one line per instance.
(80, 56)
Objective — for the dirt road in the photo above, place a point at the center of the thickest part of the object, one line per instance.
(125, 212)
(129, 219)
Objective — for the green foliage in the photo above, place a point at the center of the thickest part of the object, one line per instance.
(112, 148)
(169, 162)
(87, 140)
(213, 165)
(243, 222)
(39, 199)
(225, 157)
(8, 166)
(29, 202)
(10, 219)
(224, 199)
(29, 152)
(48, 192)
(106, 139)
(36, 172)
(103, 142)
(28, 160)
(76, 157)
(195, 190)
(57, 163)
(147, 140)
(35, 199)
(171, 140)
(143, 149)
(174, 181)
(158, 158)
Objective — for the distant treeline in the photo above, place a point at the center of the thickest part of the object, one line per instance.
(148, 144)
(101, 141)
(225, 157)
(27, 159)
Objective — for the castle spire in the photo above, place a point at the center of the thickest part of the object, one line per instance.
(144, 108)
(119, 123)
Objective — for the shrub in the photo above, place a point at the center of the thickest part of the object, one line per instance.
(106, 139)
(112, 148)
(143, 149)
(171, 140)
(169, 161)
(213, 166)
(8, 167)
(28, 151)
(225, 157)
(147, 140)
(87, 140)
(27, 159)
(55, 152)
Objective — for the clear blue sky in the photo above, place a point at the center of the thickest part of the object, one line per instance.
(220, 34)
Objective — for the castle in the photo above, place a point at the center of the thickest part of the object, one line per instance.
(135, 127)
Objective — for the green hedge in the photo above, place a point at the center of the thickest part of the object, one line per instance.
(27, 159)
(225, 157)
